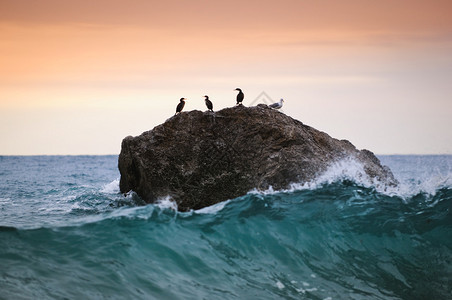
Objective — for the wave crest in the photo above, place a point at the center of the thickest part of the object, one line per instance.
(351, 170)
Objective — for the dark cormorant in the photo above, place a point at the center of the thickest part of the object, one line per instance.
(277, 105)
(209, 103)
(240, 96)
(180, 106)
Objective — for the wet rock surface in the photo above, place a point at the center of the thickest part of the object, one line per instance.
(202, 158)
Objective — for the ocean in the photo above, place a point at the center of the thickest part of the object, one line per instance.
(67, 233)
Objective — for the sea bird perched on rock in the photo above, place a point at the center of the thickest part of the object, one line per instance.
(180, 106)
(208, 103)
(277, 105)
(240, 96)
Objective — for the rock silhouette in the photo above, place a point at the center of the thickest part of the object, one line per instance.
(202, 158)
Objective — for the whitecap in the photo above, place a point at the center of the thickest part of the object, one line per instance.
(5, 200)
(110, 188)
(213, 209)
(280, 285)
(346, 169)
(419, 174)
(141, 212)
(350, 169)
(301, 291)
(166, 203)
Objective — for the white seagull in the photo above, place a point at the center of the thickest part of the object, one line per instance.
(277, 105)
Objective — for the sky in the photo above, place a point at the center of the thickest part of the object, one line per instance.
(76, 77)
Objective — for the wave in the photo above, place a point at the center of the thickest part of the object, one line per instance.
(338, 237)
(337, 241)
(112, 187)
(95, 207)
(85, 203)
(350, 171)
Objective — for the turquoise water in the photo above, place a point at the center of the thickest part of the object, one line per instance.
(67, 233)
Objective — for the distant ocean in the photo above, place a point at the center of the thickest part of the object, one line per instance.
(67, 233)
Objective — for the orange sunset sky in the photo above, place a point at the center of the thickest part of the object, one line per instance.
(76, 77)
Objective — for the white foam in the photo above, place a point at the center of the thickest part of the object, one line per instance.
(5, 200)
(112, 187)
(166, 203)
(353, 170)
(140, 212)
(213, 209)
(280, 285)
(419, 174)
(306, 286)
(346, 169)
(78, 206)
(429, 186)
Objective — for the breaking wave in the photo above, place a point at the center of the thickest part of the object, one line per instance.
(335, 238)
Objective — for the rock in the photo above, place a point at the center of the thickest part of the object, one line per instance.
(202, 158)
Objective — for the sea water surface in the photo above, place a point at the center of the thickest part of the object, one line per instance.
(67, 233)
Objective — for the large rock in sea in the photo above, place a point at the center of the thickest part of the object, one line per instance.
(202, 158)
